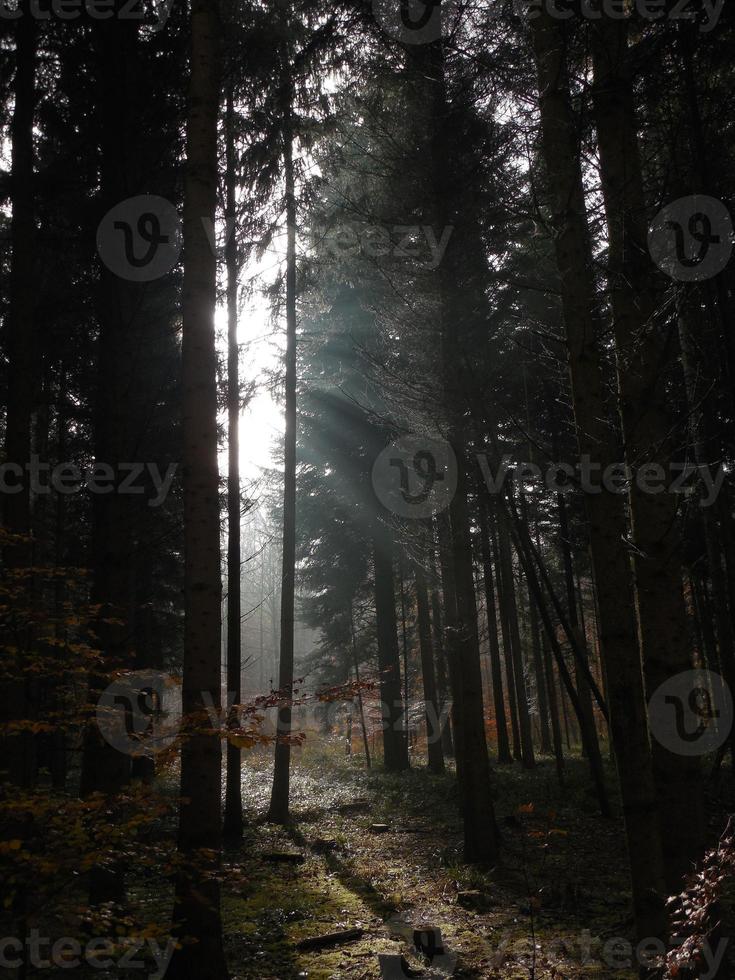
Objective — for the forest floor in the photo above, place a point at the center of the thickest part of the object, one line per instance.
(552, 908)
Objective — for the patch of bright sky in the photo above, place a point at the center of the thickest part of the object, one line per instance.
(261, 338)
(261, 342)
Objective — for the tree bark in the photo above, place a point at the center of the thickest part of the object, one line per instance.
(514, 637)
(538, 669)
(583, 686)
(605, 512)
(233, 821)
(507, 656)
(404, 652)
(641, 349)
(197, 896)
(480, 835)
(504, 756)
(18, 750)
(395, 748)
(431, 701)
(441, 673)
(553, 708)
(361, 706)
(105, 768)
(279, 803)
(449, 593)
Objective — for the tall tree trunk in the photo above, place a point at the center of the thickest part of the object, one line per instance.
(441, 673)
(504, 756)
(18, 750)
(589, 744)
(717, 299)
(197, 898)
(583, 687)
(278, 810)
(553, 708)
(59, 749)
(705, 454)
(641, 346)
(514, 636)
(363, 726)
(431, 701)
(404, 651)
(538, 669)
(18, 761)
(449, 592)
(233, 823)
(605, 512)
(395, 748)
(106, 768)
(261, 629)
(480, 833)
(507, 656)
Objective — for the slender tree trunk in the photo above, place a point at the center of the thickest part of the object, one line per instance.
(588, 742)
(261, 628)
(107, 768)
(441, 674)
(516, 653)
(449, 592)
(361, 706)
(553, 708)
(605, 512)
(715, 533)
(704, 613)
(565, 715)
(18, 750)
(507, 656)
(404, 651)
(583, 687)
(538, 668)
(197, 899)
(504, 756)
(59, 757)
(233, 822)
(641, 346)
(395, 748)
(278, 810)
(18, 761)
(480, 833)
(431, 701)
(718, 301)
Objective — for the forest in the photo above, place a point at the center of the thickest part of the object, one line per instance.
(367, 489)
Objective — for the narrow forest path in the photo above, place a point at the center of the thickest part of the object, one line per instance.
(561, 887)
